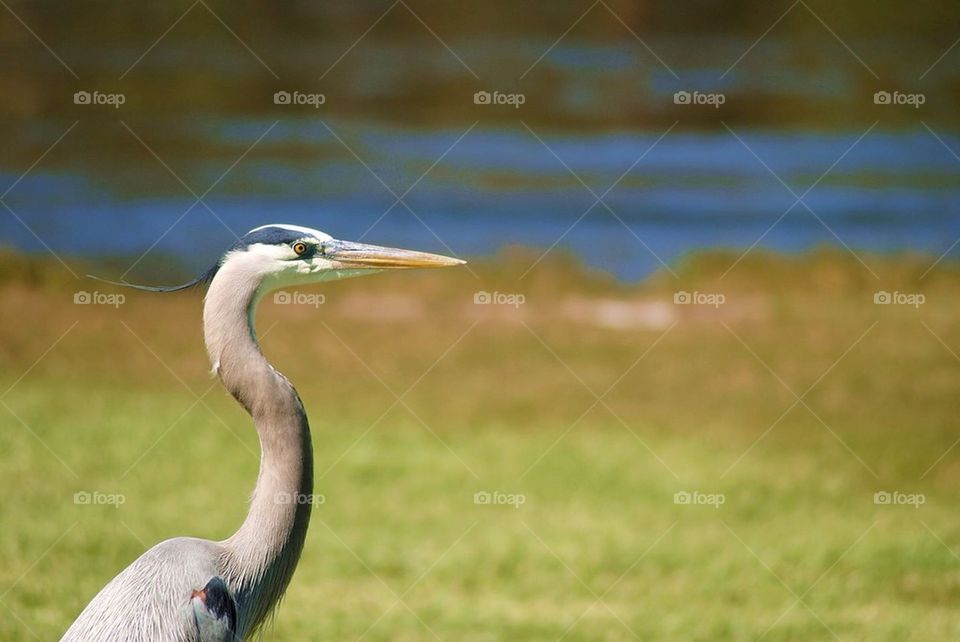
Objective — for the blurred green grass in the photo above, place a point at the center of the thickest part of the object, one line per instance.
(501, 399)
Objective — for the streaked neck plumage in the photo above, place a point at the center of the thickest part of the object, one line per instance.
(261, 556)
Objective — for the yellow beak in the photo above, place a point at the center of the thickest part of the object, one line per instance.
(376, 257)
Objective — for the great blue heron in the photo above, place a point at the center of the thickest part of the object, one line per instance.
(193, 590)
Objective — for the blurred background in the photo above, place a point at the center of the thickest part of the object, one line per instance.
(597, 81)
(698, 380)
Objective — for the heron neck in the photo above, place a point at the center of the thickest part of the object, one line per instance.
(261, 556)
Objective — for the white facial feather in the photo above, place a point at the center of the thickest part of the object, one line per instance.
(277, 266)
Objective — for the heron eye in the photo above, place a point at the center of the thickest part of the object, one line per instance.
(299, 247)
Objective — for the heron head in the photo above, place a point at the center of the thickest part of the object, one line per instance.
(284, 255)
(278, 255)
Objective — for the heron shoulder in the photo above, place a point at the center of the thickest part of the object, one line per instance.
(153, 597)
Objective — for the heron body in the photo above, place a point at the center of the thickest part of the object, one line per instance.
(193, 590)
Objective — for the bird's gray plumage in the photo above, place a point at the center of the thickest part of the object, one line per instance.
(151, 599)
(193, 590)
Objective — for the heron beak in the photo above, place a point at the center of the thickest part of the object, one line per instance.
(362, 255)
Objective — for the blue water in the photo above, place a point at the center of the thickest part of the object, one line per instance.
(893, 191)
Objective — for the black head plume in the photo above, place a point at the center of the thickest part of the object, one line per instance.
(203, 279)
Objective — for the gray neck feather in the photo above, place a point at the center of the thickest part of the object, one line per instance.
(260, 558)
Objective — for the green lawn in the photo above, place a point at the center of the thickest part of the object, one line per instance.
(593, 546)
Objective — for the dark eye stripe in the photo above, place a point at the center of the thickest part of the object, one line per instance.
(270, 236)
